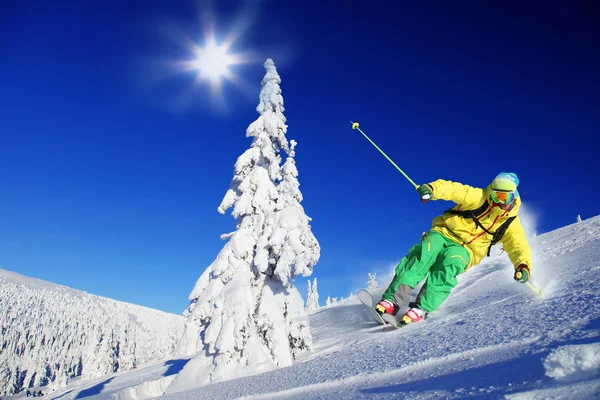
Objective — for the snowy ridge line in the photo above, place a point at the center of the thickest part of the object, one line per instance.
(7, 276)
(561, 240)
(52, 334)
(394, 373)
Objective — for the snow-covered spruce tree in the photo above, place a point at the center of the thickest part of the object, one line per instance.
(578, 218)
(312, 297)
(245, 316)
(372, 283)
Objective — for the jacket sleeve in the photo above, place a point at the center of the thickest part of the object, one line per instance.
(465, 195)
(516, 246)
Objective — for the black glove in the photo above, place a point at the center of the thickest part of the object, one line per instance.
(522, 273)
(425, 191)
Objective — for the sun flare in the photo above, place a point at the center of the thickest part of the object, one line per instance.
(212, 62)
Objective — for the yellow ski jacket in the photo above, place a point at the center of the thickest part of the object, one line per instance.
(464, 230)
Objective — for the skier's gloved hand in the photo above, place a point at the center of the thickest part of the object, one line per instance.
(522, 273)
(425, 191)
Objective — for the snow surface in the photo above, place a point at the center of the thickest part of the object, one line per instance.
(51, 334)
(493, 339)
(573, 362)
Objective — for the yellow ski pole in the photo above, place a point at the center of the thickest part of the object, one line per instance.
(355, 127)
(538, 291)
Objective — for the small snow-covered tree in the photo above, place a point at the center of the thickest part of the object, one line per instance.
(312, 297)
(372, 283)
(245, 315)
(328, 301)
(578, 218)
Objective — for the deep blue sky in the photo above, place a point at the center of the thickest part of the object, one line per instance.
(109, 183)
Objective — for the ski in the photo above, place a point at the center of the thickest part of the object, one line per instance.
(391, 320)
(365, 297)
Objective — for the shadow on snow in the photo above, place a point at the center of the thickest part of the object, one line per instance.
(94, 390)
(523, 370)
(175, 366)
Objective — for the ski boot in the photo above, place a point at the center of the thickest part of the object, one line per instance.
(386, 307)
(414, 314)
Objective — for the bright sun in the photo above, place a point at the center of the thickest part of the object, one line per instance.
(211, 62)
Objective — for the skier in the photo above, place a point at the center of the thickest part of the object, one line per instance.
(458, 239)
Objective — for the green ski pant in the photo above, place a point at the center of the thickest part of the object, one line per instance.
(442, 258)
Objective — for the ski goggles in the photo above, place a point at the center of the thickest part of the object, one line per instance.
(502, 197)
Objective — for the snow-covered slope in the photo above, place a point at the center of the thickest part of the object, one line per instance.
(493, 339)
(50, 334)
